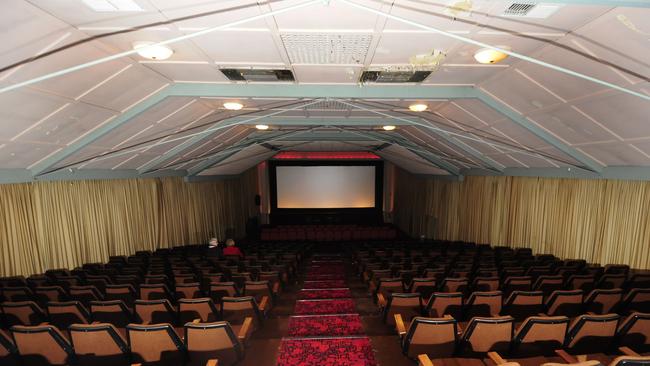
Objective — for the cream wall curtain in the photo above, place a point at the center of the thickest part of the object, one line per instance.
(48, 225)
(602, 221)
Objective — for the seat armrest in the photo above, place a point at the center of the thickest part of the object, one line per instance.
(136, 364)
(565, 356)
(276, 287)
(243, 331)
(424, 360)
(263, 303)
(399, 324)
(496, 358)
(381, 301)
(212, 363)
(628, 352)
(196, 321)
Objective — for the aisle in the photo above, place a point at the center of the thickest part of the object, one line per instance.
(325, 328)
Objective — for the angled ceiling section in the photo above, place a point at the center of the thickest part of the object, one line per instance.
(544, 122)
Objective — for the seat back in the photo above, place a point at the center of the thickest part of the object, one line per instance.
(631, 361)
(156, 344)
(155, 312)
(634, 332)
(388, 286)
(435, 337)
(460, 284)
(592, 333)
(565, 303)
(219, 290)
(154, 291)
(517, 283)
(235, 309)
(8, 352)
(99, 345)
(64, 314)
(113, 312)
(22, 313)
(610, 280)
(85, 294)
(486, 284)
(409, 305)
(540, 335)
(581, 282)
(441, 304)
(424, 286)
(17, 294)
(522, 304)
(603, 301)
(484, 304)
(487, 334)
(258, 289)
(45, 294)
(190, 290)
(637, 300)
(548, 284)
(212, 341)
(124, 292)
(201, 308)
(41, 345)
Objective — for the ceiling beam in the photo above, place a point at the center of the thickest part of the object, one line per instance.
(326, 121)
(542, 134)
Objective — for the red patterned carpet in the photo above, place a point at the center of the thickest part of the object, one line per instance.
(325, 325)
(343, 293)
(326, 269)
(324, 284)
(327, 352)
(315, 307)
(325, 277)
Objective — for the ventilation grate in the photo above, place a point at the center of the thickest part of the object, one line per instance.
(519, 9)
(314, 48)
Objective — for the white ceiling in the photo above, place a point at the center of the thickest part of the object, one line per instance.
(325, 44)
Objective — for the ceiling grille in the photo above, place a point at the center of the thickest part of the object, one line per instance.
(519, 9)
(314, 48)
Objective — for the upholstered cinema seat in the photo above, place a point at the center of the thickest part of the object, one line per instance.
(8, 352)
(259, 290)
(522, 304)
(99, 345)
(219, 290)
(483, 304)
(45, 294)
(218, 340)
(155, 312)
(424, 286)
(17, 294)
(435, 337)
(564, 303)
(409, 305)
(63, 314)
(603, 301)
(22, 313)
(113, 312)
(189, 290)
(537, 338)
(441, 304)
(236, 310)
(157, 344)
(592, 335)
(42, 345)
(637, 300)
(486, 334)
(123, 292)
(634, 332)
(85, 294)
(201, 309)
(155, 291)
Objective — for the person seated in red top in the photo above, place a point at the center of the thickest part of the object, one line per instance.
(231, 249)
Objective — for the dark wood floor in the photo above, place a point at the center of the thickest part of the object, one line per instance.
(264, 346)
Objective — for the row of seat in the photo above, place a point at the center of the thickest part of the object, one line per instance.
(520, 304)
(102, 344)
(537, 340)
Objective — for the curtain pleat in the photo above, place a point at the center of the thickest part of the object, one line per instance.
(47, 225)
(602, 221)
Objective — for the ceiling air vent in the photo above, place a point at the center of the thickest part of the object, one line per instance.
(519, 9)
(394, 76)
(259, 75)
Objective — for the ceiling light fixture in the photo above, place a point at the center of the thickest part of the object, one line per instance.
(152, 51)
(489, 56)
(112, 5)
(388, 128)
(233, 106)
(419, 107)
(262, 127)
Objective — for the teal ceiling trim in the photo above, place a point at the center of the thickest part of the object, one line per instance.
(542, 134)
(43, 166)
(314, 91)
(325, 121)
(8, 176)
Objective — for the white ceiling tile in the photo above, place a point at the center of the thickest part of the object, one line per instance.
(188, 72)
(320, 74)
(616, 154)
(22, 155)
(571, 125)
(236, 46)
(22, 108)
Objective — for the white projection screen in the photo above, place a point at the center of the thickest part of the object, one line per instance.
(325, 186)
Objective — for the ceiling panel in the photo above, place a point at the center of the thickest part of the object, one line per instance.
(240, 162)
(125, 89)
(616, 154)
(331, 15)
(469, 74)
(398, 48)
(76, 13)
(21, 109)
(409, 161)
(239, 48)
(23, 155)
(320, 74)
(188, 72)
(221, 12)
(571, 125)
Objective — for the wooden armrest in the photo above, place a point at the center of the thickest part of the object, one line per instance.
(447, 316)
(263, 303)
(628, 351)
(424, 360)
(381, 301)
(496, 358)
(212, 363)
(276, 287)
(243, 332)
(136, 364)
(565, 356)
(399, 324)
(196, 321)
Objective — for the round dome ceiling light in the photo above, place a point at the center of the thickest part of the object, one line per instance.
(489, 56)
(262, 127)
(152, 51)
(388, 128)
(233, 106)
(419, 107)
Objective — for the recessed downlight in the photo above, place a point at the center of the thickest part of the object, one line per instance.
(418, 107)
(388, 127)
(152, 51)
(262, 127)
(489, 56)
(233, 106)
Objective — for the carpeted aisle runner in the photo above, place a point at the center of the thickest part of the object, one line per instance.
(326, 329)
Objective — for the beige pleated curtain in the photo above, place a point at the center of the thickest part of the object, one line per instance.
(602, 221)
(48, 225)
